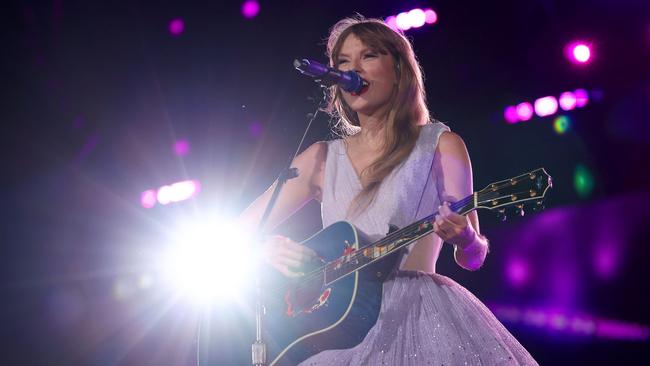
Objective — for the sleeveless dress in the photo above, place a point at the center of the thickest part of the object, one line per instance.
(425, 319)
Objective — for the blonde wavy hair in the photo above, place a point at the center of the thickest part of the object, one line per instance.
(408, 106)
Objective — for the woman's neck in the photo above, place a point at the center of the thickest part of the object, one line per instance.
(372, 133)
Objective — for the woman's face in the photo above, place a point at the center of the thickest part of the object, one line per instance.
(376, 68)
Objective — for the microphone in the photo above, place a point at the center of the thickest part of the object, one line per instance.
(350, 81)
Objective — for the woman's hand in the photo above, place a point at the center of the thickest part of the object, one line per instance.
(453, 228)
(286, 255)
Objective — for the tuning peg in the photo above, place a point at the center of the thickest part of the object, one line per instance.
(520, 210)
(539, 206)
(501, 214)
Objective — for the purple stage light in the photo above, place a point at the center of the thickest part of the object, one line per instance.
(545, 106)
(430, 16)
(148, 198)
(567, 101)
(605, 260)
(510, 114)
(176, 27)
(524, 111)
(569, 322)
(255, 129)
(582, 97)
(181, 147)
(517, 272)
(417, 18)
(403, 21)
(250, 9)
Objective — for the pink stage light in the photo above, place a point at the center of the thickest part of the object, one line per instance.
(148, 198)
(250, 9)
(181, 147)
(582, 97)
(391, 21)
(578, 52)
(178, 192)
(567, 101)
(403, 21)
(510, 114)
(545, 106)
(430, 16)
(417, 18)
(524, 111)
(176, 27)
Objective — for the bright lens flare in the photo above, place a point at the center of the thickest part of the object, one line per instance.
(210, 262)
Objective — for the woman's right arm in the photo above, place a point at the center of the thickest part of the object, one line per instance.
(280, 252)
(295, 193)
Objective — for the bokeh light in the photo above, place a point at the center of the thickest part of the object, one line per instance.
(561, 124)
(546, 106)
(524, 111)
(430, 16)
(250, 9)
(417, 18)
(567, 101)
(414, 18)
(176, 27)
(403, 21)
(510, 114)
(517, 272)
(255, 129)
(148, 198)
(578, 52)
(177, 192)
(181, 147)
(582, 97)
(583, 181)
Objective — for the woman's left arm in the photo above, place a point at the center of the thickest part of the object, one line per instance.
(453, 171)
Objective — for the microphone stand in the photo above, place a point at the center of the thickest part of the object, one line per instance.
(258, 348)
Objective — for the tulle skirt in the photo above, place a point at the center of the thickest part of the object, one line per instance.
(430, 320)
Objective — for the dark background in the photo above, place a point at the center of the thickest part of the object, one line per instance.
(96, 92)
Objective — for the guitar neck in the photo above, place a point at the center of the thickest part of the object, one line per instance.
(531, 186)
(394, 241)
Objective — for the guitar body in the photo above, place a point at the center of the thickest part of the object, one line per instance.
(312, 315)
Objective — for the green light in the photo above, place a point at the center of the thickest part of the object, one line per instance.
(583, 181)
(561, 124)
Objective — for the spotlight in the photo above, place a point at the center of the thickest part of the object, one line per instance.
(209, 261)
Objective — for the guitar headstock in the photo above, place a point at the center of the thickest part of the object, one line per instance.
(531, 186)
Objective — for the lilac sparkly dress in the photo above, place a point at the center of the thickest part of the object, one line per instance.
(424, 319)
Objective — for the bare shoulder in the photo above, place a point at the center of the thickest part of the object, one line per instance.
(311, 166)
(313, 156)
(451, 143)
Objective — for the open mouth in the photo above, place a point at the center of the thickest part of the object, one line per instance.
(363, 90)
